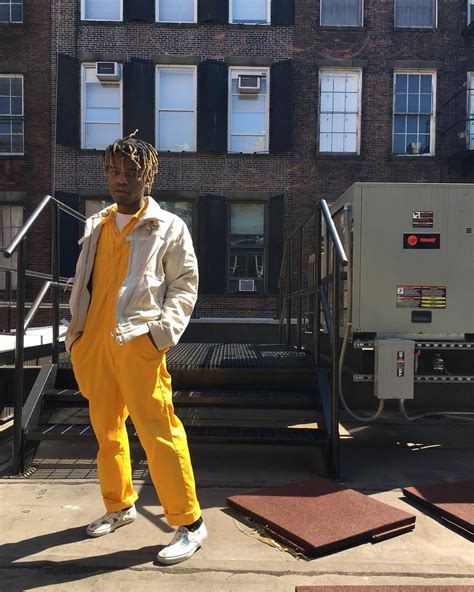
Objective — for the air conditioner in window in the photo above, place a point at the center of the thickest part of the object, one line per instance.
(249, 83)
(246, 285)
(107, 71)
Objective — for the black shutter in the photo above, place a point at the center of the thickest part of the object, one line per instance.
(212, 106)
(68, 102)
(212, 241)
(275, 242)
(139, 99)
(140, 10)
(280, 106)
(70, 231)
(283, 12)
(213, 11)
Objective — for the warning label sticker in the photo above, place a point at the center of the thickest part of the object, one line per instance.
(423, 219)
(421, 296)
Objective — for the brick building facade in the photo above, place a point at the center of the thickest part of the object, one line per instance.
(25, 131)
(258, 109)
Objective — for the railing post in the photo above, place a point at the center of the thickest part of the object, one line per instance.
(8, 286)
(335, 350)
(300, 287)
(55, 290)
(317, 280)
(18, 459)
(288, 299)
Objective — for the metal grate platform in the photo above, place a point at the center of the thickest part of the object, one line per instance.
(208, 434)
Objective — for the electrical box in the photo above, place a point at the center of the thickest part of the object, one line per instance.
(394, 368)
(411, 250)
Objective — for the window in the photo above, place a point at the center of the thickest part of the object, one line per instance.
(95, 205)
(413, 113)
(248, 110)
(415, 13)
(176, 11)
(339, 111)
(11, 11)
(176, 108)
(247, 254)
(341, 13)
(470, 111)
(101, 109)
(470, 12)
(249, 12)
(11, 220)
(183, 209)
(11, 114)
(102, 10)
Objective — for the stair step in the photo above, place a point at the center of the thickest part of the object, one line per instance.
(201, 434)
(208, 398)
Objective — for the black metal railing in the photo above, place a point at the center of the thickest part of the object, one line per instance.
(292, 274)
(53, 283)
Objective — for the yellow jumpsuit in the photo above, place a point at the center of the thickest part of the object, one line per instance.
(130, 379)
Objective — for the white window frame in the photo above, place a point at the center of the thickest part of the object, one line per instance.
(362, 12)
(83, 14)
(433, 74)
(469, 4)
(248, 70)
(9, 3)
(157, 107)
(359, 109)
(435, 20)
(22, 116)
(157, 14)
(269, 15)
(469, 123)
(84, 66)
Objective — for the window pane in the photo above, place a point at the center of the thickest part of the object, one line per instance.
(340, 12)
(350, 124)
(17, 13)
(248, 123)
(102, 10)
(425, 104)
(326, 102)
(399, 144)
(16, 86)
(325, 124)
(426, 83)
(176, 89)
(4, 13)
(247, 224)
(249, 11)
(325, 143)
(248, 144)
(352, 102)
(17, 143)
(100, 135)
(338, 143)
(350, 143)
(183, 209)
(17, 106)
(5, 143)
(5, 106)
(401, 83)
(414, 13)
(413, 83)
(5, 85)
(176, 11)
(102, 96)
(338, 101)
(338, 123)
(176, 131)
(248, 103)
(413, 103)
(400, 124)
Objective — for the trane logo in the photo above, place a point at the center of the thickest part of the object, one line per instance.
(421, 241)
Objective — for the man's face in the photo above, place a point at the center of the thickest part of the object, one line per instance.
(125, 180)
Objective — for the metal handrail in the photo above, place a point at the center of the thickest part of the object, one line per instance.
(35, 274)
(12, 247)
(321, 305)
(53, 281)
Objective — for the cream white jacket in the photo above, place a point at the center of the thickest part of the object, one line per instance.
(159, 291)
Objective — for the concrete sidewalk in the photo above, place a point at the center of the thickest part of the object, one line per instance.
(43, 519)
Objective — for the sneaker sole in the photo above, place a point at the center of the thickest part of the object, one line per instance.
(112, 528)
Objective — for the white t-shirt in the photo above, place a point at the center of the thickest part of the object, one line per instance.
(122, 220)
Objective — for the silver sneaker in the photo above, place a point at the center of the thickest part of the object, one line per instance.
(184, 544)
(110, 521)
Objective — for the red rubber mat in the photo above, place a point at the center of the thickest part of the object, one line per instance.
(319, 516)
(453, 502)
(384, 589)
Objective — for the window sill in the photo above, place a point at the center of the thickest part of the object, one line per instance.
(91, 151)
(414, 29)
(338, 156)
(413, 156)
(173, 153)
(248, 294)
(342, 28)
(4, 156)
(15, 25)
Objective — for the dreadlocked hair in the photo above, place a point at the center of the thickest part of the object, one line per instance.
(144, 155)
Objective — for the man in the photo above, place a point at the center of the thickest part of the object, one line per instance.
(134, 291)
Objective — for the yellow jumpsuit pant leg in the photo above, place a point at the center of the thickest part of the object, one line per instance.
(107, 410)
(146, 388)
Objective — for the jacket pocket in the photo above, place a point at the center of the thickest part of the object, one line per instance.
(150, 292)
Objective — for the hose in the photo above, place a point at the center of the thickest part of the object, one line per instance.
(448, 413)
